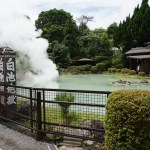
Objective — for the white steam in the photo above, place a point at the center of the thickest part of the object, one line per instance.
(19, 33)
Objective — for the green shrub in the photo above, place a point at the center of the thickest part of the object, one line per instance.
(132, 72)
(141, 73)
(113, 70)
(127, 120)
(109, 70)
(65, 97)
(100, 58)
(94, 69)
(118, 66)
(124, 70)
(84, 67)
(118, 70)
(100, 66)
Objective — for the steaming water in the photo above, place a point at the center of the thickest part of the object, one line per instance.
(96, 82)
(93, 82)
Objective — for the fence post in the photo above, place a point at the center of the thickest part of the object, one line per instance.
(39, 134)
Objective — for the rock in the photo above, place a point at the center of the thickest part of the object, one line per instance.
(89, 142)
(63, 148)
(121, 82)
(24, 108)
(143, 81)
(97, 124)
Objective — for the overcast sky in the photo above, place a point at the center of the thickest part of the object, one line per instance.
(104, 12)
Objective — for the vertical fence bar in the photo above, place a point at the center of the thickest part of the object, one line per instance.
(39, 134)
(31, 110)
(44, 117)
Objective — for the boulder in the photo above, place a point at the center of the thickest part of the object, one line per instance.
(97, 124)
(143, 81)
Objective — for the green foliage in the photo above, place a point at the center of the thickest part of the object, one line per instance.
(119, 66)
(60, 55)
(100, 58)
(109, 70)
(100, 66)
(113, 70)
(80, 68)
(58, 138)
(94, 69)
(111, 30)
(132, 72)
(127, 120)
(124, 70)
(65, 97)
(52, 23)
(141, 73)
(118, 70)
(84, 67)
(70, 37)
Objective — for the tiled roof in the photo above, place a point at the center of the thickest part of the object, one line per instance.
(85, 59)
(139, 50)
(140, 57)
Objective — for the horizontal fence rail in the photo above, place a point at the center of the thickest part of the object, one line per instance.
(74, 113)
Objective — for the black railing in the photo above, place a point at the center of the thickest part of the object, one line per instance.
(73, 113)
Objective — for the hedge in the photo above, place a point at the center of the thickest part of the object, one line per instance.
(127, 120)
(100, 66)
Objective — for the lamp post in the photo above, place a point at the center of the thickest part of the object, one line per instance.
(8, 78)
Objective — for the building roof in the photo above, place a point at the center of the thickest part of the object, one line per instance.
(85, 59)
(139, 50)
(140, 57)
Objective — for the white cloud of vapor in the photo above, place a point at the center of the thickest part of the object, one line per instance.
(19, 33)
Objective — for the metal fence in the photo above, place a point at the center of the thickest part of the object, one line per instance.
(73, 113)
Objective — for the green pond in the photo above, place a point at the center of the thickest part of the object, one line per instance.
(96, 82)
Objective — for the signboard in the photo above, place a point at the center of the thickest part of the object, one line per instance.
(7, 76)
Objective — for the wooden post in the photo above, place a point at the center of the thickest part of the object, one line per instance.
(39, 134)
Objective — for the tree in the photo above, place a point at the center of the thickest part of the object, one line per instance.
(70, 37)
(52, 23)
(134, 31)
(59, 53)
(83, 20)
(111, 30)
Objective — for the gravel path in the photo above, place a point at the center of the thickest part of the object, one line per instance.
(11, 139)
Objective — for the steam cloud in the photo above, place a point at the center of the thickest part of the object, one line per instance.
(19, 33)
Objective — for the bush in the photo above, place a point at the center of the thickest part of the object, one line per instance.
(132, 72)
(65, 97)
(100, 58)
(124, 70)
(118, 66)
(84, 67)
(118, 70)
(94, 69)
(100, 66)
(113, 70)
(127, 121)
(109, 70)
(141, 73)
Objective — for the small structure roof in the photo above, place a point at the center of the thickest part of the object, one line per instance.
(6, 50)
(140, 57)
(139, 50)
(85, 59)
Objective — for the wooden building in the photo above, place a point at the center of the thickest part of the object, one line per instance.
(142, 57)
